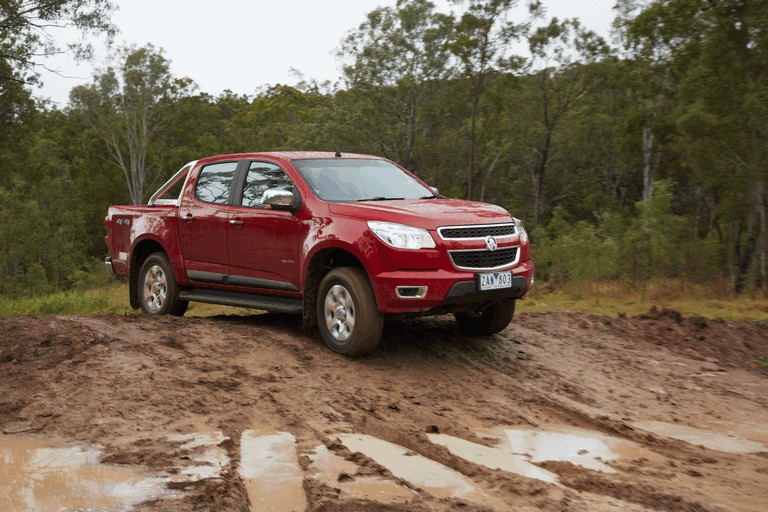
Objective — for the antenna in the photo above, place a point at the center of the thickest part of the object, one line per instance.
(338, 153)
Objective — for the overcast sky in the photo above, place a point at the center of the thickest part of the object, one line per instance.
(243, 44)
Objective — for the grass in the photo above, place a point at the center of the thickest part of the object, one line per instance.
(609, 299)
(71, 302)
(111, 298)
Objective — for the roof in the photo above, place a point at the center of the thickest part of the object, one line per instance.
(288, 155)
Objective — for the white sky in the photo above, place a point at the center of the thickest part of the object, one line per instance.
(243, 44)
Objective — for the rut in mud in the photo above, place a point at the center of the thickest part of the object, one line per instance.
(561, 412)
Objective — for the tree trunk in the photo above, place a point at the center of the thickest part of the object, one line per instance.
(753, 251)
(410, 136)
(648, 140)
(744, 253)
(488, 173)
(538, 177)
(472, 144)
(762, 206)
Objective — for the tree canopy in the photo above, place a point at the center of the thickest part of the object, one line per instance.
(630, 162)
(25, 31)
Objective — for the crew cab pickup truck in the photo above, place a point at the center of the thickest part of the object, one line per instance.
(343, 240)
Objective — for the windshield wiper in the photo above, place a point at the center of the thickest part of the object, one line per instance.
(428, 197)
(380, 198)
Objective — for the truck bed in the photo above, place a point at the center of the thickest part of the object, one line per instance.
(128, 224)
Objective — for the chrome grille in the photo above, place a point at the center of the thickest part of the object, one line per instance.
(463, 232)
(485, 259)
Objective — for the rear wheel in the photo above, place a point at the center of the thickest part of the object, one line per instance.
(495, 318)
(349, 321)
(157, 288)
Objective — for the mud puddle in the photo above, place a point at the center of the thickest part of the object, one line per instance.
(39, 474)
(520, 448)
(207, 458)
(585, 448)
(493, 458)
(339, 473)
(436, 479)
(729, 443)
(270, 469)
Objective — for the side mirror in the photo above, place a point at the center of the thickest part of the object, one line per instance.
(435, 191)
(281, 199)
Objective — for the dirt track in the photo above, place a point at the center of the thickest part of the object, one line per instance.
(147, 390)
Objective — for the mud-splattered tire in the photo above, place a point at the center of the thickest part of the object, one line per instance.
(157, 290)
(349, 321)
(495, 318)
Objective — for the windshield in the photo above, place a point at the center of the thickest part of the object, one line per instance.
(348, 179)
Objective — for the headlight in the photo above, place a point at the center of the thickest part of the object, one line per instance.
(521, 231)
(402, 237)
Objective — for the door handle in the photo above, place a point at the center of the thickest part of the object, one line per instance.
(189, 217)
(236, 222)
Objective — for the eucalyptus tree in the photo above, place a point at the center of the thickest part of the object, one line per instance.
(480, 43)
(396, 60)
(566, 65)
(716, 52)
(26, 35)
(127, 106)
(650, 82)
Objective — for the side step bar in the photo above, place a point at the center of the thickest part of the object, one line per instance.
(243, 300)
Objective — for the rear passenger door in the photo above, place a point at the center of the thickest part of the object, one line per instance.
(264, 243)
(204, 221)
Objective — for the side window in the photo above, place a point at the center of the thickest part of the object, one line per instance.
(264, 179)
(215, 182)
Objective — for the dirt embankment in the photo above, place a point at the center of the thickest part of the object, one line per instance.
(562, 412)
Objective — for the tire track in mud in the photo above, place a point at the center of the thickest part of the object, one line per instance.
(132, 383)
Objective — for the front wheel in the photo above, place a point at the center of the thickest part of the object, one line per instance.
(157, 288)
(495, 318)
(349, 321)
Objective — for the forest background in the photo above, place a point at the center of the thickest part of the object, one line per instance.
(637, 161)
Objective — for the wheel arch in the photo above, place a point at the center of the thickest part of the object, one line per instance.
(319, 264)
(140, 252)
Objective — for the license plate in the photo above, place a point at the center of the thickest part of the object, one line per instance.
(495, 280)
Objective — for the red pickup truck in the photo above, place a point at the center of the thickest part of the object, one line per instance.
(344, 240)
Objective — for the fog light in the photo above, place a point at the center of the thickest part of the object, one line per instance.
(411, 292)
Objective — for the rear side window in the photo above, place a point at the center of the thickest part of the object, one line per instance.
(215, 182)
(264, 179)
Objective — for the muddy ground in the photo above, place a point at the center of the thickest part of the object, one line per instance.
(655, 412)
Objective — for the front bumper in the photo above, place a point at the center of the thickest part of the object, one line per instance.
(445, 289)
(468, 292)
